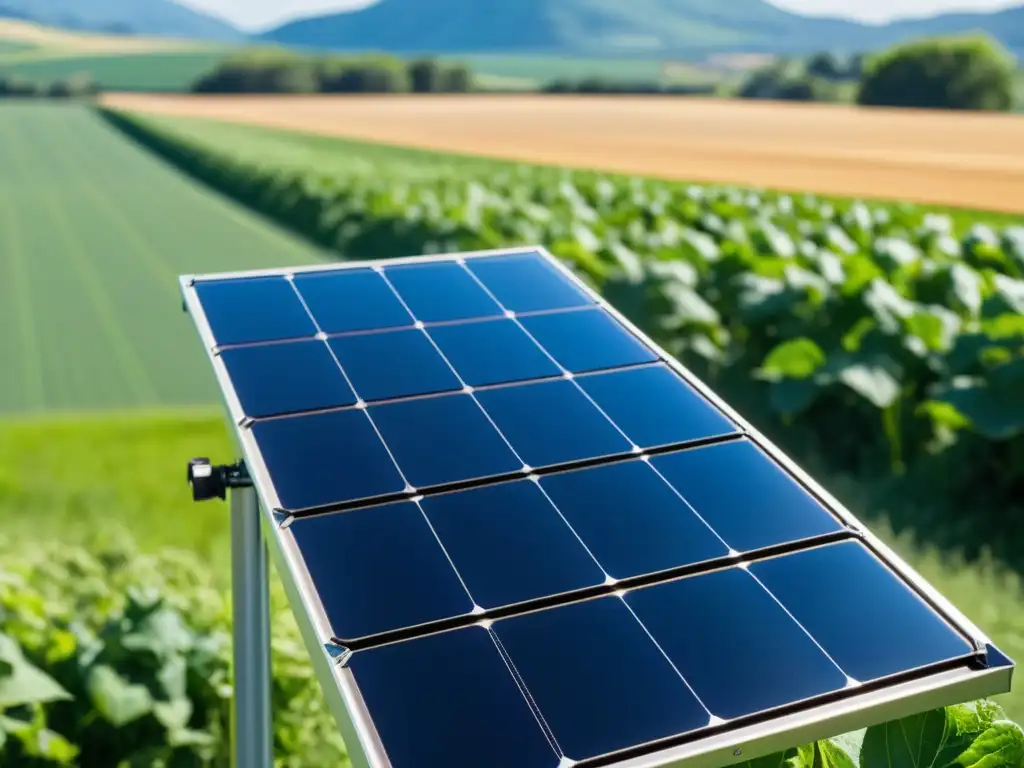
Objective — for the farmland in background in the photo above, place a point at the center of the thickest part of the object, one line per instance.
(68, 477)
(94, 234)
(945, 158)
(158, 71)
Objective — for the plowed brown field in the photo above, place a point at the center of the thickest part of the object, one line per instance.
(956, 159)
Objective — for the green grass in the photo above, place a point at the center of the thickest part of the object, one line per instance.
(165, 71)
(67, 478)
(94, 233)
(297, 150)
(14, 46)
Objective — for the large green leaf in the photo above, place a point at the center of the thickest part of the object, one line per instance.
(830, 755)
(119, 701)
(39, 741)
(913, 742)
(876, 380)
(795, 359)
(1002, 745)
(21, 682)
(995, 412)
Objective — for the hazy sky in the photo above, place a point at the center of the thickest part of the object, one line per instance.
(257, 14)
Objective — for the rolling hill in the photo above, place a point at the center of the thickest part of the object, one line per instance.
(654, 27)
(136, 17)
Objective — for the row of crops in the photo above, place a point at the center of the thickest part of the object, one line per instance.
(882, 341)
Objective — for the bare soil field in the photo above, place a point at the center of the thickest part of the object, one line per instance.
(954, 159)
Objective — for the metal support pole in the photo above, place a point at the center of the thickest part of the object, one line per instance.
(251, 732)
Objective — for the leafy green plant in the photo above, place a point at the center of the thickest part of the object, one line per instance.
(122, 659)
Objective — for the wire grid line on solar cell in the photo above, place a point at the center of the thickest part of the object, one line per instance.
(924, 678)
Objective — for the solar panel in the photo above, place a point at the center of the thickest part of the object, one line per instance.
(517, 533)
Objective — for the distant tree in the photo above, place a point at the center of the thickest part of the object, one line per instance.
(425, 76)
(18, 87)
(261, 76)
(855, 66)
(788, 81)
(366, 78)
(970, 72)
(824, 65)
(456, 78)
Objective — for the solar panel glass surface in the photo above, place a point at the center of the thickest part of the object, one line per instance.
(541, 542)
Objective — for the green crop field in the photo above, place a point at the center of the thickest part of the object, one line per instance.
(542, 69)
(163, 71)
(94, 233)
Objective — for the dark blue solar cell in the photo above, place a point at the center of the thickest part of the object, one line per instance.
(253, 309)
(655, 407)
(364, 564)
(509, 544)
(631, 519)
(864, 616)
(526, 282)
(440, 440)
(351, 300)
(393, 364)
(747, 656)
(449, 700)
(748, 499)
(326, 458)
(552, 422)
(441, 291)
(285, 378)
(587, 340)
(492, 352)
(599, 682)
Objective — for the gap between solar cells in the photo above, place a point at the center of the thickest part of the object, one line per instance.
(465, 485)
(363, 404)
(417, 325)
(600, 590)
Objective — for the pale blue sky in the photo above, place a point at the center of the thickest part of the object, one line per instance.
(258, 14)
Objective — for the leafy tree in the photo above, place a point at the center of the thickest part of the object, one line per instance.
(824, 65)
(969, 72)
(457, 79)
(425, 76)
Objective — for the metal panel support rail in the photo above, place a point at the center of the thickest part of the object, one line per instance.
(251, 731)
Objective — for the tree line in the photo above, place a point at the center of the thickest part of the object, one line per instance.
(75, 86)
(971, 72)
(285, 73)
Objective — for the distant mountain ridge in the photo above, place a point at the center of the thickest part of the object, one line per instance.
(651, 27)
(140, 17)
